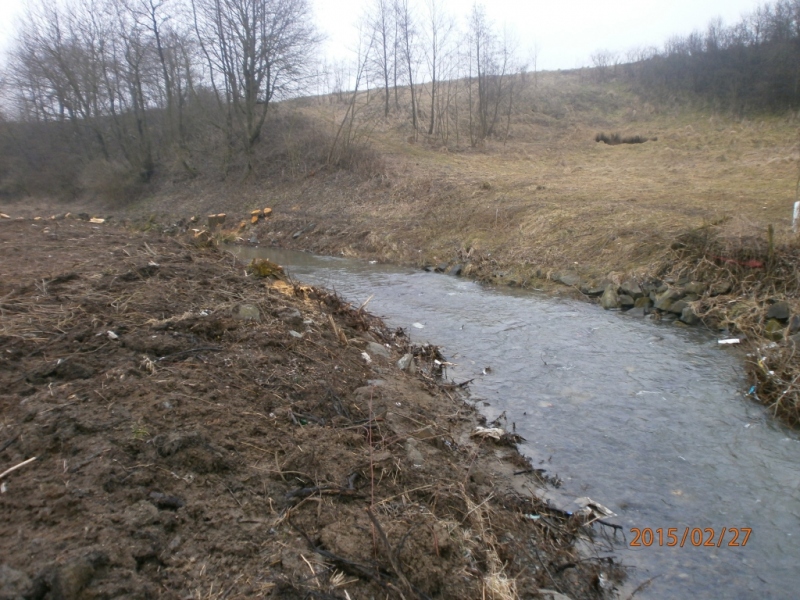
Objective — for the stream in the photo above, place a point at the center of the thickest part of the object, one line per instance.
(648, 419)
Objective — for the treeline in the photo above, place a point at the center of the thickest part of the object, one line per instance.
(106, 95)
(113, 90)
(754, 64)
(455, 80)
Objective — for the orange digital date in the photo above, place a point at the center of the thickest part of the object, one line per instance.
(695, 536)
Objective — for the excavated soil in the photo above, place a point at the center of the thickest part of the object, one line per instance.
(194, 431)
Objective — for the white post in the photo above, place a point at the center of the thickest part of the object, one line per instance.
(796, 216)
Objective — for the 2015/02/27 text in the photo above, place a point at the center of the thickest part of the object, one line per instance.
(695, 536)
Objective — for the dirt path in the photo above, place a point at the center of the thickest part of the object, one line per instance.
(202, 433)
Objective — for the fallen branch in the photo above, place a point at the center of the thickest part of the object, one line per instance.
(328, 491)
(15, 467)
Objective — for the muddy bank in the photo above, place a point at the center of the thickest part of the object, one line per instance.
(744, 288)
(198, 431)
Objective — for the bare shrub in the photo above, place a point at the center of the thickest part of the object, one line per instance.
(112, 181)
(615, 139)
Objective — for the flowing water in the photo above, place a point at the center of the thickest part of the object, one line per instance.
(647, 419)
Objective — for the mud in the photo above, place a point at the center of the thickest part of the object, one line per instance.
(199, 432)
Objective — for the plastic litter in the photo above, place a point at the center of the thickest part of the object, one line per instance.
(594, 509)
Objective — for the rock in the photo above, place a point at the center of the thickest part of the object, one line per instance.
(773, 330)
(720, 288)
(678, 306)
(643, 302)
(779, 311)
(14, 584)
(441, 267)
(593, 290)
(405, 362)
(267, 212)
(632, 289)
(794, 324)
(4, 216)
(248, 312)
(689, 317)
(626, 301)
(666, 299)
(695, 287)
(455, 270)
(568, 278)
(794, 339)
(290, 316)
(650, 286)
(610, 299)
(376, 349)
(637, 311)
(413, 453)
(296, 234)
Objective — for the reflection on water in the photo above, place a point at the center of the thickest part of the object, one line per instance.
(647, 419)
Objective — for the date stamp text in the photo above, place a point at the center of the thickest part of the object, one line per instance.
(735, 537)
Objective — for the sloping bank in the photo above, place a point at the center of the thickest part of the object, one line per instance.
(174, 427)
(744, 287)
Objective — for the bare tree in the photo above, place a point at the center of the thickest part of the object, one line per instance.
(257, 51)
(381, 21)
(439, 27)
(408, 45)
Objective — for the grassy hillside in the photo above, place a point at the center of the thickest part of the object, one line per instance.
(546, 197)
(539, 198)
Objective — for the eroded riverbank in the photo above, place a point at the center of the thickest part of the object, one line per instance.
(184, 430)
(647, 418)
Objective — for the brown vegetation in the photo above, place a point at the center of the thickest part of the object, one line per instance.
(615, 139)
(182, 430)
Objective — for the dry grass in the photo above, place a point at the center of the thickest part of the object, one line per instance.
(737, 255)
(551, 196)
(546, 199)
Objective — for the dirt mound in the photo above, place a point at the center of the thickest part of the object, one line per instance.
(199, 432)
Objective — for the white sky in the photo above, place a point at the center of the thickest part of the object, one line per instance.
(566, 32)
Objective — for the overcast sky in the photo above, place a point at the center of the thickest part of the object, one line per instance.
(566, 32)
